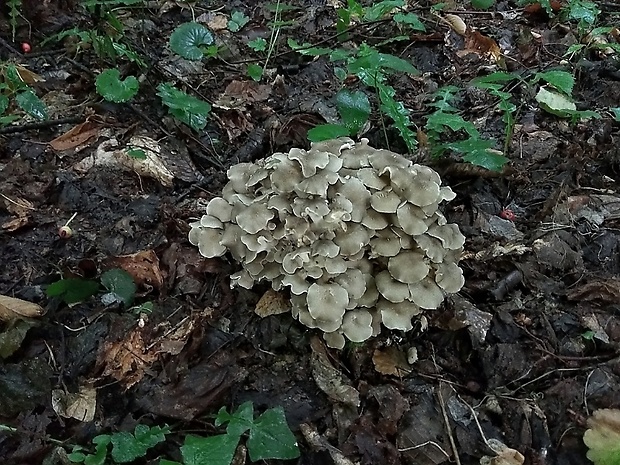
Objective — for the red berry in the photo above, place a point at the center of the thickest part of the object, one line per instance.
(507, 214)
(26, 47)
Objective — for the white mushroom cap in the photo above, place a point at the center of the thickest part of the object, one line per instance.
(448, 234)
(391, 289)
(432, 247)
(449, 276)
(285, 175)
(370, 178)
(382, 158)
(309, 161)
(315, 209)
(398, 315)
(254, 218)
(408, 267)
(335, 339)
(335, 146)
(208, 221)
(357, 325)
(208, 241)
(317, 184)
(231, 239)
(219, 208)
(385, 244)
(353, 190)
(374, 220)
(353, 239)
(353, 281)
(242, 278)
(385, 201)
(411, 219)
(239, 174)
(296, 283)
(426, 293)
(327, 301)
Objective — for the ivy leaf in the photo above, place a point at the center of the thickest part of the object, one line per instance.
(72, 290)
(112, 88)
(127, 447)
(238, 422)
(31, 104)
(213, 450)
(184, 107)
(271, 438)
(186, 40)
(354, 109)
(327, 131)
(237, 20)
(120, 284)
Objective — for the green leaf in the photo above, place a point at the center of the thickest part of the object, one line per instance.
(237, 20)
(187, 39)
(399, 115)
(168, 462)
(482, 4)
(477, 152)
(555, 102)
(138, 154)
(31, 104)
(258, 45)
(561, 80)
(72, 290)
(354, 109)
(112, 88)
(438, 120)
(238, 422)
(255, 72)
(380, 61)
(581, 10)
(327, 131)
(616, 112)
(186, 108)
(378, 10)
(307, 49)
(4, 103)
(127, 447)
(120, 284)
(214, 450)
(410, 19)
(493, 79)
(271, 438)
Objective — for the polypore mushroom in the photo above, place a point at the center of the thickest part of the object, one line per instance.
(354, 233)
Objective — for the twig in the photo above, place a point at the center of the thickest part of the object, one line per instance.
(41, 124)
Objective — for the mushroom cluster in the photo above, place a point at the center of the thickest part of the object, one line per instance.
(352, 231)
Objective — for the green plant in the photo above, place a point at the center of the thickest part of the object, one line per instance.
(14, 88)
(445, 123)
(354, 110)
(119, 283)
(125, 446)
(603, 437)
(15, 7)
(186, 108)
(110, 86)
(237, 20)
(268, 437)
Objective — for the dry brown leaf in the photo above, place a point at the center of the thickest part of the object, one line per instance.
(80, 405)
(15, 223)
(391, 361)
(12, 308)
(16, 205)
(482, 45)
(79, 136)
(143, 267)
(29, 77)
(505, 455)
(128, 359)
(272, 303)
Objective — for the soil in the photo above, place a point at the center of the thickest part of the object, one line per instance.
(523, 354)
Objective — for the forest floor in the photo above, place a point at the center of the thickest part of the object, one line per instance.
(524, 354)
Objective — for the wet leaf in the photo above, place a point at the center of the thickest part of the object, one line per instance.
(603, 437)
(126, 447)
(214, 450)
(112, 88)
(72, 290)
(12, 308)
(354, 109)
(31, 104)
(121, 284)
(271, 437)
(186, 40)
(327, 131)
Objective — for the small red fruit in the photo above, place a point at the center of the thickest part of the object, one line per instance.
(507, 214)
(26, 47)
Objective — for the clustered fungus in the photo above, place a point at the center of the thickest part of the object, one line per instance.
(353, 232)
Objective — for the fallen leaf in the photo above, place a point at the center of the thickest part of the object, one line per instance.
(391, 361)
(80, 405)
(328, 379)
(272, 303)
(505, 455)
(77, 138)
(12, 308)
(143, 267)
